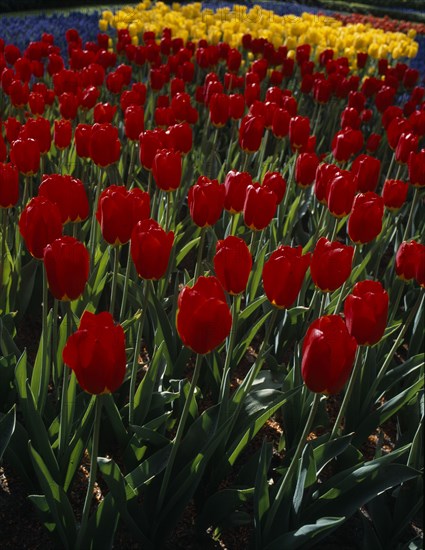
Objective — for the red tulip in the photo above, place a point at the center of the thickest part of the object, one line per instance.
(366, 311)
(236, 185)
(203, 317)
(69, 195)
(259, 207)
(68, 105)
(251, 133)
(96, 353)
(67, 268)
(280, 122)
(219, 109)
(299, 132)
(181, 137)
(416, 168)
(119, 210)
(40, 224)
(407, 143)
(62, 134)
(410, 262)
(104, 145)
(328, 355)
(206, 201)
(305, 169)
(346, 143)
(324, 173)
(149, 143)
(82, 137)
(104, 113)
(236, 106)
(232, 264)
(340, 193)
(330, 264)
(366, 170)
(9, 185)
(283, 275)
(150, 249)
(276, 183)
(25, 155)
(167, 169)
(134, 122)
(365, 221)
(394, 194)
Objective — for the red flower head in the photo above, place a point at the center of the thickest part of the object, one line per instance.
(328, 355)
(25, 155)
(206, 201)
(232, 264)
(39, 130)
(366, 311)
(67, 268)
(346, 143)
(365, 221)
(280, 122)
(276, 183)
(134, 122)
(68, 105)
(150, 142)
(416, 168)
(150, 249)
(324, 174)
(259, 207)
(283, 275)
(40, 224)
(104, 113)
(340, 193)
(69, 195)
(410, 262)
(181, 137)
(330, 264)
(394, 194)
(167, 169)
(82, 137)
(119, 210)
(203, 317)
(305, 169)
(236, 106)
(366, 170)
(299, 132)
(236, 184)
(62, 134)
(219, 109)
(104, 146)
(9, 185)
(373, 142)
(251, 133)
(407, 143)
(96, 353)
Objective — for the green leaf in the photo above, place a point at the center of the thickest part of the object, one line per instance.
(7, 427)
(306, 477)
(102, 525)
(306, 533)
(256, 273)
(327, 451)
(246, 340)
(219, 507)
(149, 468)
(7, 344)
(183, 252)
(261, 492)
(26, 287)
(41, 371)
(57, 500)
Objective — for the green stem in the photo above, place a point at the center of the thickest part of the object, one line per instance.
(81, 543)
(133, 156)
(387, 177)
(335, 229)
(357, 367)
(44, 378)
(168, 208)
(134, 366)
(411, 214)
(179, 433)
(294, 463)
(3, 212)
(262, 153)
(199, 256)
(126, 281)
(64, 423)
(236, 302)
(93, 225)
(114, 278)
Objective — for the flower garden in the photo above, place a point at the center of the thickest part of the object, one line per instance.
(212, 276)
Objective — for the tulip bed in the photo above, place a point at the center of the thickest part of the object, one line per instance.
(216, 220)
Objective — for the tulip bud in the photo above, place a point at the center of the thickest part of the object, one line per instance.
(206, 201)
(394, 194)
(365, 221)
(167, 169)
(232, 264)
(9, 185)
(150, 249)
(410, 262)
(330, 264)
(40, 224)
(259, 206)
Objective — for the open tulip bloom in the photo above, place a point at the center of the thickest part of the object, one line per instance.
(217, 216)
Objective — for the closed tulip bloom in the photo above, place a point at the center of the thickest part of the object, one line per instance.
(149, 143)
(299, 132)
(69, 195)
(206, 201)
(365, 221)
(366, 312)
(346, 143)
(219, 109)
(416, 168)
(67, 268)
(232, 264)
(82, 138)
(181, 137)
(104, 112)
(324, 174)
(134, 122)
(105, 147)
(280, 122)
(259, 207)
(150, 249)
(407, 143)
(305, 169)
(40, 224)
(236, 106)
(119, 210)
(394, 194)
(38, 129)
(236, 185)
(276, 183)
(203, 317)
(167, 169)
(283, 275)
(330, 264)
(327, 355)
(9, 185)
(365, 170)
(96, 353)
(251, 133)
(340, 193)
(410, 262)
(25, 155)
(62, 134)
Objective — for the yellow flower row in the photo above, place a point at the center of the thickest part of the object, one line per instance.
(191, 22)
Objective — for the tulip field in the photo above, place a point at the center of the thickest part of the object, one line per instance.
(212, 274)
